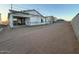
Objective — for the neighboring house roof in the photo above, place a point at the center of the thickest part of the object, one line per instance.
(26, 12)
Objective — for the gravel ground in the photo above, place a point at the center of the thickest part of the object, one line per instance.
(54, 38)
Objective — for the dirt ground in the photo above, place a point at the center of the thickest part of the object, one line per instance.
(54, 38)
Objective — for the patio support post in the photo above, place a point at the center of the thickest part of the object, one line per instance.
(11, 21)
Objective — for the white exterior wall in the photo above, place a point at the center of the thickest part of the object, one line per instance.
(50, 19)
(27, 21)
(36, 20)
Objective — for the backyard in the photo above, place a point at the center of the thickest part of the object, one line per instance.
(53, 38)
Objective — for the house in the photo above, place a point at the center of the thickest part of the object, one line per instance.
(25, 17)
(50, 19)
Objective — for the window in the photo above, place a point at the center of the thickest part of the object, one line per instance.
(41, 20)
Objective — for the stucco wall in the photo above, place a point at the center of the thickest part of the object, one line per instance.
(27, 21)
(36, 20)
(50, 19)
(75, 25)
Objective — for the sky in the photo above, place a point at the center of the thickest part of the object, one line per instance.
(64, 11)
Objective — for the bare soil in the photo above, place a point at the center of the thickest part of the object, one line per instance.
(54, 38)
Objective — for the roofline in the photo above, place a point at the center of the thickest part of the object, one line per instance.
(38, 12)
(34, 10)
(25, 13)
